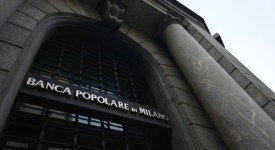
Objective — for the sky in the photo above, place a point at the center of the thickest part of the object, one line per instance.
(247, 28)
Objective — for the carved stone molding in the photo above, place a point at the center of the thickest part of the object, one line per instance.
(111, 14)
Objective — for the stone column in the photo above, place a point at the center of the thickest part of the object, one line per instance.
(242, 124)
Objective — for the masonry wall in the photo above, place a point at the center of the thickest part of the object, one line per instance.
(189, 121)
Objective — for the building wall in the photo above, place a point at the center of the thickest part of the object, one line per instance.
(191, 127)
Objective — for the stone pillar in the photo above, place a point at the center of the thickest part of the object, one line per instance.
(242, 124)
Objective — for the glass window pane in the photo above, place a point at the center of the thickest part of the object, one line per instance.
(83, 119)
(16, 144)
(71, 117)
(95, 122)
(34, 109)
(57, 114)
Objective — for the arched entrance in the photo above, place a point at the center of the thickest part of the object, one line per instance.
(42, 118)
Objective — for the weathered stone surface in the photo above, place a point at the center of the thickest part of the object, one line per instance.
(14, 34)
(209, 138)
(137, 36)
(240, 66)
(7, 8)
(270, 109)
(240, 78)
(255, 93)
(191, 29)
(91, 7)
(185, 97)
(163, 60)
(22, 20)
(77, 7)
(143, 16)
(61, 6)
(215, 53)
(198, 36)
(226, 65)
(179, 83)
(206, 44)
(196, 115)
(3, 75)
(206, 35)
(8, 54)
(225, 102)
(31, 11)
(43, 5)
(172, 71)
(93, 13)
(93, 3)
(151, 46)
(266, 90)
(124, 28)
(230, 56)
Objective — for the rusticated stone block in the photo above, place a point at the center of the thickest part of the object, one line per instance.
(226, 65)
(215, 53)
(77, 7)
(124, 28)
(198, 36)
(255, 93)
(151, 46)
(8, 54)
(23, 20)
(191, 29)
(172, 71)
(137, 36)
(209, 138)
(31, 11)
(61, 6)
(3, 75)
(163, 60)
(240, 78)
(43, 5)
(185, 97)
(196, 115)
(14, 34)
(206, 44)
(179, 83)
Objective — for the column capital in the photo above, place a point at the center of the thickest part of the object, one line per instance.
(168, 21)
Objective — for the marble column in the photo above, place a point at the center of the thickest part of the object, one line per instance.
(242, 124)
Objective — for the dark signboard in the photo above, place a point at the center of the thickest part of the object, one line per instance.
(75, 95)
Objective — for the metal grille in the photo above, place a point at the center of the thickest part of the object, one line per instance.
(44, 128)
(91, 67)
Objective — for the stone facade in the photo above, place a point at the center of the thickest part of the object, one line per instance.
(191, 126)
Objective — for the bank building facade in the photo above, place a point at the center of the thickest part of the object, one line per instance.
(124, 75)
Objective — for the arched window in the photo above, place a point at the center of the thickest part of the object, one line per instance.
(91, 66)
(39, 122)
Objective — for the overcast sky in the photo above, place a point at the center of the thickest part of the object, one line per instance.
(247, 28)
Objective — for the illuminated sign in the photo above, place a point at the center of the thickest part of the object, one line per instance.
(90, 97)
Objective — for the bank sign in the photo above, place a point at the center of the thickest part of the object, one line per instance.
(88, 97)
